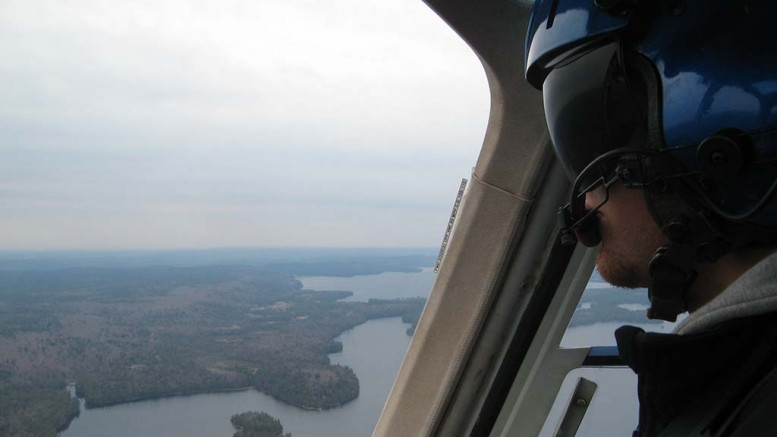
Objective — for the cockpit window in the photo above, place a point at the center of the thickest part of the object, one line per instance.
(226, 199)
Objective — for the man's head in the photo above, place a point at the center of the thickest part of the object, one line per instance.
(665, 116)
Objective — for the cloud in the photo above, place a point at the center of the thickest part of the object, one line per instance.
(204, 123)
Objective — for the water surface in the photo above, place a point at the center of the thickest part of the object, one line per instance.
(388, 285)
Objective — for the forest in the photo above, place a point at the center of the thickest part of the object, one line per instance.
(128, 334)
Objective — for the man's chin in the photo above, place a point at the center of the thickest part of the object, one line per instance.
(617, 272)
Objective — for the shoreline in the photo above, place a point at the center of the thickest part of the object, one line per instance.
(83, 402)
(204, 392)
(227, 390)
(244, 399)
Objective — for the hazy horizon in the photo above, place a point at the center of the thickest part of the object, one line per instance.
(283, 259)
(215, 248)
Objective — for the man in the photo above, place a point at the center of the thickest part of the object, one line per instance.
(664, 113)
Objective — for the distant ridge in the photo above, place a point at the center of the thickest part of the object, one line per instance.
(296, 261)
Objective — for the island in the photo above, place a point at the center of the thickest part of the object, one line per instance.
(257, 424)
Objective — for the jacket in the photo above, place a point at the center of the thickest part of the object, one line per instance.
(716, 375)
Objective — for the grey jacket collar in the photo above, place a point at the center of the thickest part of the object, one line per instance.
(753, 293)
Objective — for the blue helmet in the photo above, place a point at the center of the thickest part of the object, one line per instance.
(678, 98)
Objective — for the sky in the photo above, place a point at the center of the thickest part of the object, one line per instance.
(226, 123)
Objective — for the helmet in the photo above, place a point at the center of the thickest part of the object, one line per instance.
(678, 98)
